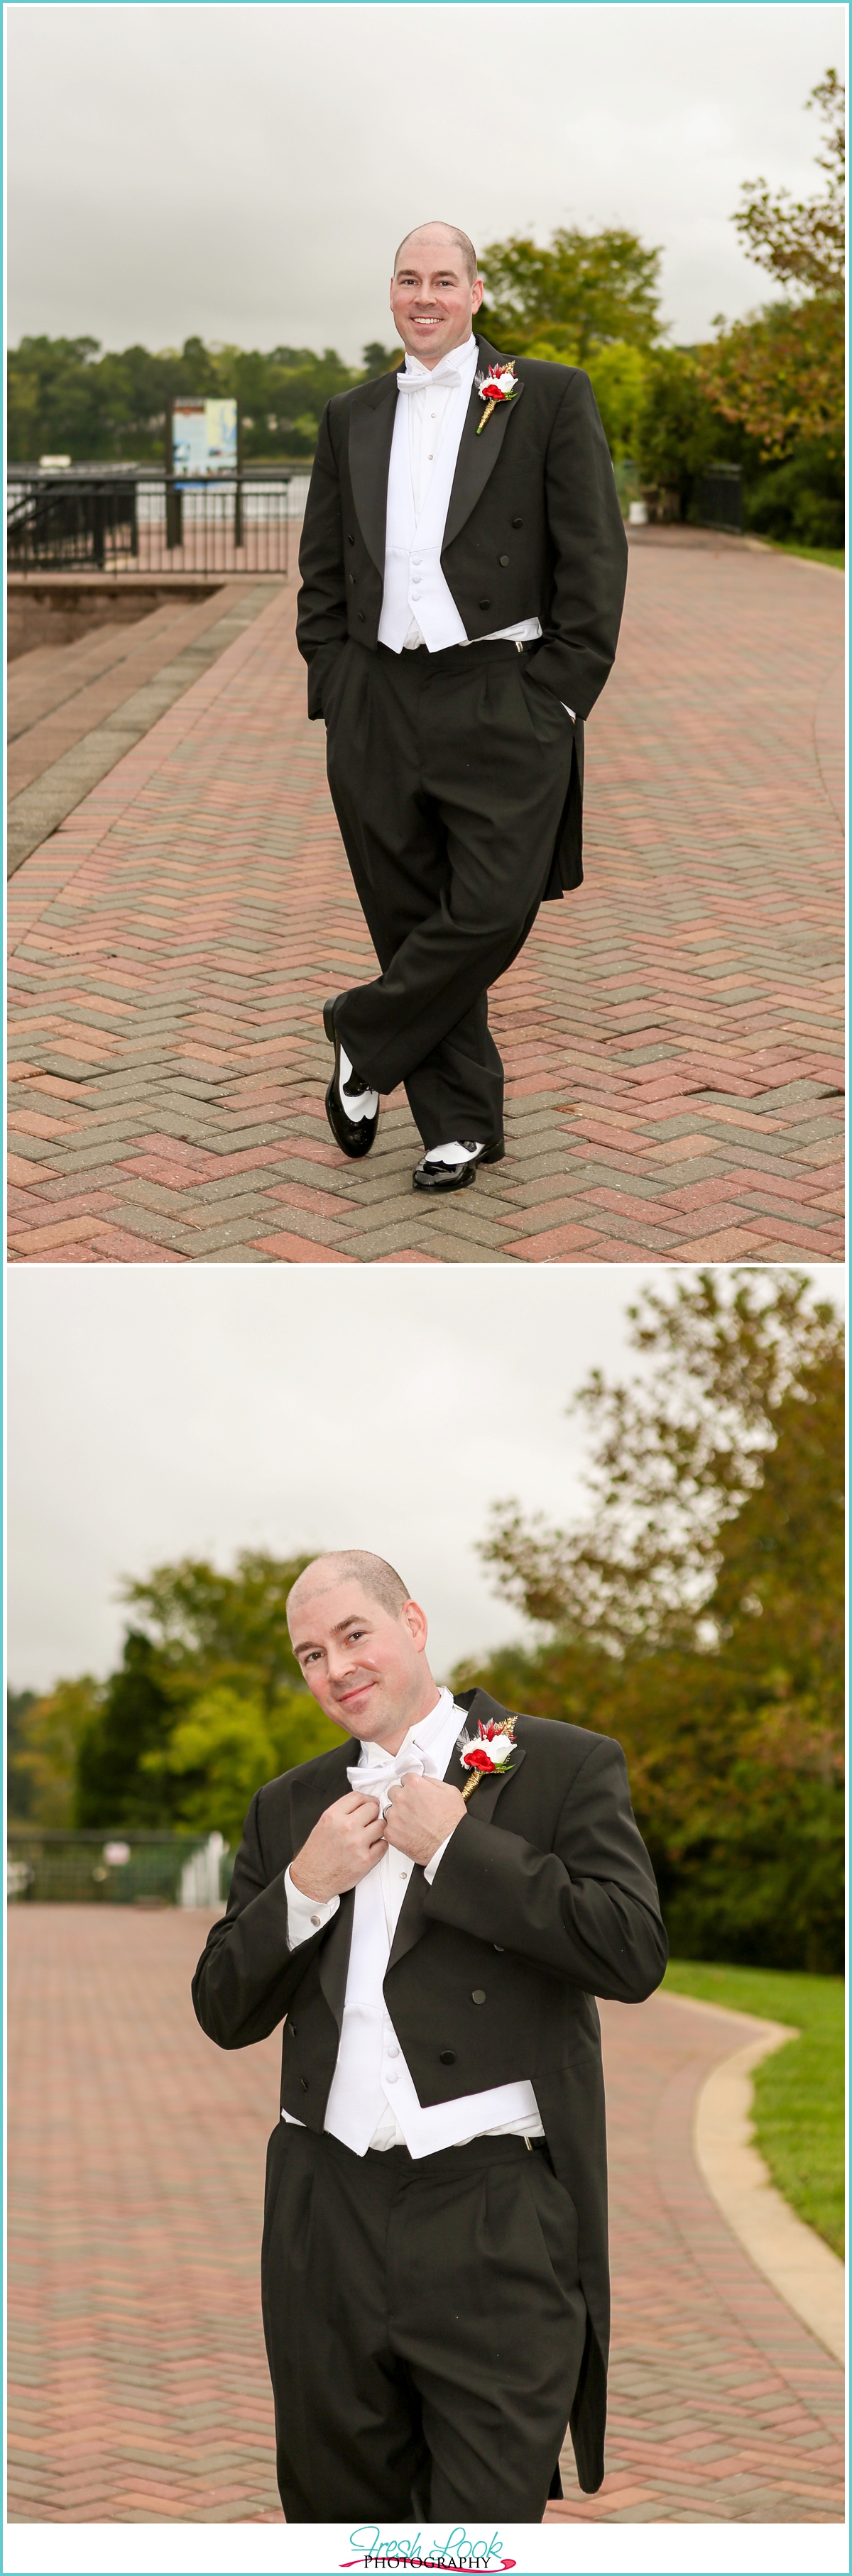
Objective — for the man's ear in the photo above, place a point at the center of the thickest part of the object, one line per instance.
(416, 1623)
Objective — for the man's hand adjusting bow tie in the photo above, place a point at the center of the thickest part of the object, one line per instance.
(417, 1814)
(347, 1842)
(375, 1779)
(420, 1815)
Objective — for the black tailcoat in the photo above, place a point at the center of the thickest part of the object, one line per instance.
(545, 1898)
(534, 529)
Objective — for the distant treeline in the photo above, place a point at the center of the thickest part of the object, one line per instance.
(68, 397)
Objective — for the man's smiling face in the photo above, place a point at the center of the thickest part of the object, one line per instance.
(367, 1670)
(432, 298)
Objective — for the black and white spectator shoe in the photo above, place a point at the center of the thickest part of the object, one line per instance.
(351, 1107)
(455, 1166)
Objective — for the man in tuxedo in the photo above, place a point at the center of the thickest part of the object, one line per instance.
(463, 575)
(434, 2269)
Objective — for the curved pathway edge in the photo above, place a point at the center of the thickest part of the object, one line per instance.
(801, 2267)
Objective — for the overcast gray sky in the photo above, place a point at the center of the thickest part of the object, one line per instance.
(154, 1414)
(246, 172)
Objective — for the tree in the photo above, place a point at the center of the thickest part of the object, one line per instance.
(19, 1780)
(209, 1628)
(698, 1614)
(780, 373)
(678, 1450)
(226, 1745)
(49, 1733)
(804, 244)
(378, 361)
(207, 1703)
(69, 395)
(585, 290)
(133, 1713)
(677, 431)
(755, 1845)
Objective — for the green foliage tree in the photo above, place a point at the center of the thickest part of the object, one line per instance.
(68, 396)
(208, 1628)
(677, 433)
(678, 1448)
(228, 1742)
(698, 1615)
(18, 1777)
(619, 374)
(802, 498)
(584, 291)
(207, 1703)
(378, 361)
(47, 1736)
(780, 373)
(133, 1713)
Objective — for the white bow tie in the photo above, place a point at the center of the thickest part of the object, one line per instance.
(441, 375)
(375, 1778)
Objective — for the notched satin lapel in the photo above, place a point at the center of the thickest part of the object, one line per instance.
(370, 442)
(477, 457)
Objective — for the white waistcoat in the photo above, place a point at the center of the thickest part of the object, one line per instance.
(415, 587)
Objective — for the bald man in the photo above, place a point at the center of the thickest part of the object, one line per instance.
(463, 564)
(431, 1909)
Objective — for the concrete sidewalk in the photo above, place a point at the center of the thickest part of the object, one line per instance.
(138, 2387)
(672, 1032)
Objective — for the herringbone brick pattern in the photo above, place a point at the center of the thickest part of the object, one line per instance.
(671, 1032)
(138, 2385)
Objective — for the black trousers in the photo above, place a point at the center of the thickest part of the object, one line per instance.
(424, 2327)
(449, 774)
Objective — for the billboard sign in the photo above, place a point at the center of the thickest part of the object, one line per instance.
(204, 437)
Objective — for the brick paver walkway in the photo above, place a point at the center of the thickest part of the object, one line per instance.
(671, 1032)
(138, 2381)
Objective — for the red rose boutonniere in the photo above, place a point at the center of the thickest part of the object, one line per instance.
(489, 1752)
(498, 386)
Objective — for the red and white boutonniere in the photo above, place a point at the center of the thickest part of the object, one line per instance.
(498, 385)
(488, 1753)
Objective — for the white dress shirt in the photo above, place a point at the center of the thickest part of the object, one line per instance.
(373, 2100)
(417, 605)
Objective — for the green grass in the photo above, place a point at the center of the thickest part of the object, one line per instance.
(798, 2093)
(834, 555)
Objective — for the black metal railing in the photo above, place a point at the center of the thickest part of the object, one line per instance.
(142, 520)
(719, 499)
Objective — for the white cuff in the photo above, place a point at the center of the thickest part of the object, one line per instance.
(431, 1866)
(306, 1914)
(569, 712)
